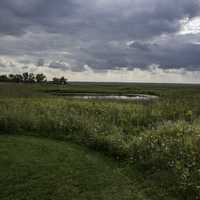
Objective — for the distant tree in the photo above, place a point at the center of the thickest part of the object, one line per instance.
(40, 78)
(31, 78)
(25, 77)
(55, 80)
(11, 77)
(18, 78)
(60, 81)
(28, 77)
(63, 80)
(4, 78)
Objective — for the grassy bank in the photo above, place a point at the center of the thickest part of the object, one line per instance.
(33, 168)
(160, 138)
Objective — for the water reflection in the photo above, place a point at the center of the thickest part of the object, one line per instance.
(117, 97)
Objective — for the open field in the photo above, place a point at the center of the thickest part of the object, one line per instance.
(33, 168)
(158, 139)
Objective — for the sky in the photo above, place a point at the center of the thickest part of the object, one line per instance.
(102, 40)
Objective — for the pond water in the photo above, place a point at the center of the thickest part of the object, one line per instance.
(117, 97)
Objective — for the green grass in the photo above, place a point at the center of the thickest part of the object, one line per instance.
(33, 168)
(160, 139)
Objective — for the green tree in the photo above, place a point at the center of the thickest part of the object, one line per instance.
(4, 78)
(11, 77)
(40, 78)
(60, 81)
(18, 78)
(31, 78)
(25, 77)
(63, 80)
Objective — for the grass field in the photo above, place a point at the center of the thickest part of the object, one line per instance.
(158, 141)
(33, 168)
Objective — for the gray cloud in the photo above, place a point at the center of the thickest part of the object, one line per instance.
(96, 33)
(58, 65)
(140, 46)
(130, 18)
(40, 62)
(3, 65)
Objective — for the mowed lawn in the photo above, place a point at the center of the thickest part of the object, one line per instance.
(32, 169)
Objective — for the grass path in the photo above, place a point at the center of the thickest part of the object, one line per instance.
(33, 168)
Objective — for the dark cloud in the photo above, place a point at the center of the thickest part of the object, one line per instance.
(141, 46)
(96, 33)
(129, 18)
(58, 65)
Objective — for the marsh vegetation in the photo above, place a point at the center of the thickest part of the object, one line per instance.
(159, 138)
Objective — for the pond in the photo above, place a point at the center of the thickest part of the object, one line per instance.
(117, 97)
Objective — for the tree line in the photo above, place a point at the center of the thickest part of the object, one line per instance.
(31, 78)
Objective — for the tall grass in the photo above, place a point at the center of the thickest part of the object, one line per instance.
(161, 138)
